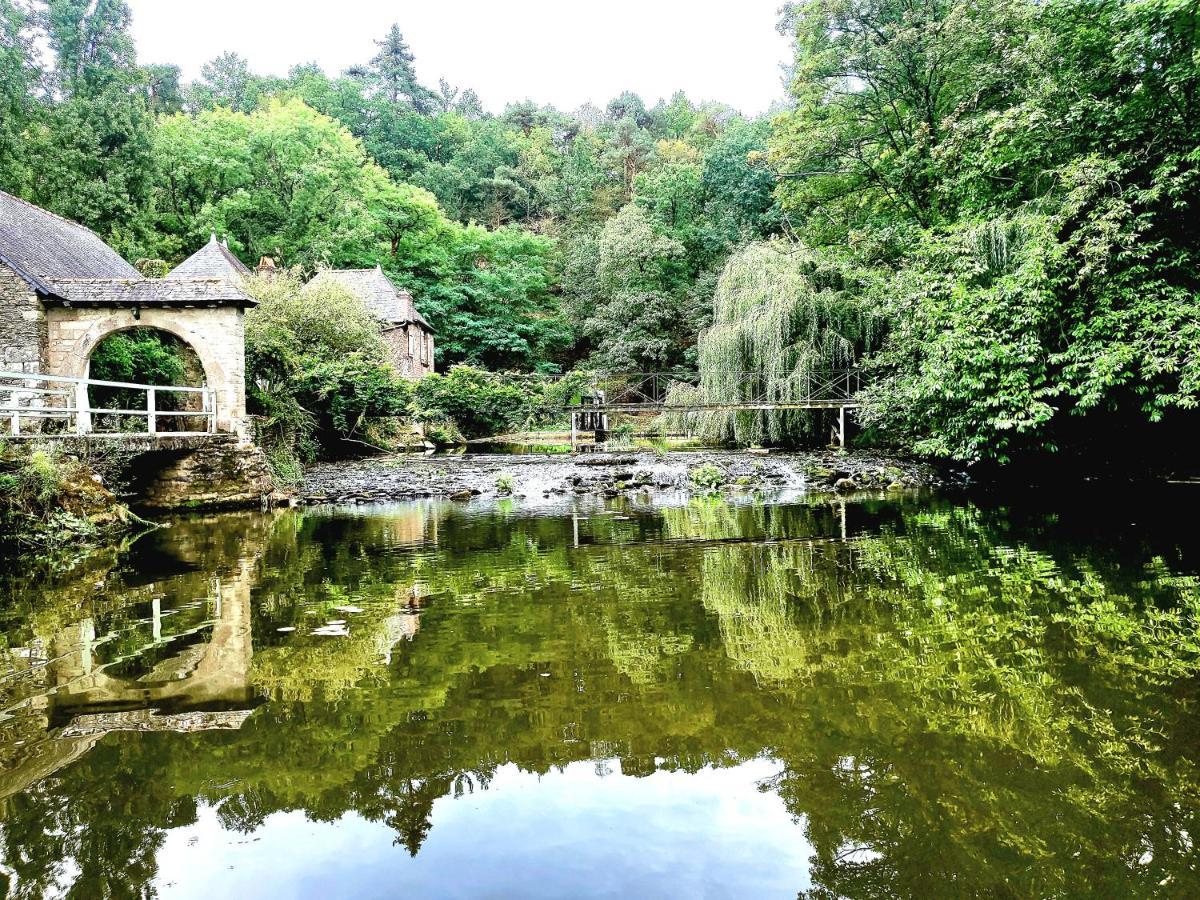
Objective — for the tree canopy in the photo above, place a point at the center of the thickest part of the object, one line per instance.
(1006, 190)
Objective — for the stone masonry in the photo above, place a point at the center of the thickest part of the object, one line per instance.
(23, 335)
(217, 335)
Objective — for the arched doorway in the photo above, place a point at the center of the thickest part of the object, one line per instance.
(151, 356)
(216, 333)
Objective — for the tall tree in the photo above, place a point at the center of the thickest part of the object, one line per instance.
(18, 79)
(446, 96)
(392, 73)
(469, 106)
(878, 86)
(95, 162)
(632, 306)
(166, 91)
(227, 81)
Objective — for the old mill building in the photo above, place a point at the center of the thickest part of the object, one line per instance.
(63, 290)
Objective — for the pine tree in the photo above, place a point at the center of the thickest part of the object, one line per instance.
(392, 73)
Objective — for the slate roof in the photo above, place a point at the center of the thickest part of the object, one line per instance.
(213, 260)
(388, 303)
(147, 292)
(38, 244)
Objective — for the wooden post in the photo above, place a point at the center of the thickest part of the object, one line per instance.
(842, 427)
(151, 409)
(600, 421)
(208, 401)
(14, 426)
(83, 410)
(574, 431)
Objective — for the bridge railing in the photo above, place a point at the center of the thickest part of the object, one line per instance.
(650, 389)
(56, 404)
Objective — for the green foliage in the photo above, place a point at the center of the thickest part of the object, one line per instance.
(504, 484)
(152, 268)
(50, 499)
(1014, 184)
(480, 403)
(144, 356)
(94, 152)
(392, 73)
(494, 222)
(781, 316)
(629, 296)
(227, 82)
(707, 477)
(18, 80)
(281, 180)
(489, 296)
(316, 367)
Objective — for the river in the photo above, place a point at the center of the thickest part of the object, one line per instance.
(904, 696)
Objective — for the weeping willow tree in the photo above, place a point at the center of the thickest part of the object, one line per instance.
(781, 315)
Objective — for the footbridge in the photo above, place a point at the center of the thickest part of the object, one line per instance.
(688, 394)
(45, 406)
(189, 449)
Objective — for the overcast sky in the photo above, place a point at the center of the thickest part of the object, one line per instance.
(562, 52)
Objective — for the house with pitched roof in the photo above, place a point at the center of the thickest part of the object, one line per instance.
(408, 334)
(63, 291)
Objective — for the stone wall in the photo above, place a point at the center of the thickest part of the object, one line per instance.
(217, 335)
(219, 476)
(406, 352)
(22, 325)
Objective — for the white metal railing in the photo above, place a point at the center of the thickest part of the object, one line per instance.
(33, 402)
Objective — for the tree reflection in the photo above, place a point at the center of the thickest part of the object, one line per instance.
(960, 702)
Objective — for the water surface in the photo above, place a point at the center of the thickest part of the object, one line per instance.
(907, 697)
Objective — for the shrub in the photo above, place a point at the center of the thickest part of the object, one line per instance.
(47, 496)
(317, 367)
(480, 403)
(152, 268)
(486, 403)
(707, 477)
(504, 484)
(443, 432)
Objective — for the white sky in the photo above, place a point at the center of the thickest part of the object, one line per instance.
(563, 53)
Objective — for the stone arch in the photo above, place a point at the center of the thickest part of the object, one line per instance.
(216, 335)
(213, 374)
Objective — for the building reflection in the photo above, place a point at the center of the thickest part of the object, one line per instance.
(172, 654)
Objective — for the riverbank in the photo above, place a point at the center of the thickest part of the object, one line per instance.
(543, 476)
(53, 501)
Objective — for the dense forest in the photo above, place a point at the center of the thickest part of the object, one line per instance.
(990, 207)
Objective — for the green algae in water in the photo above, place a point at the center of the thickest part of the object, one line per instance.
(888, 698)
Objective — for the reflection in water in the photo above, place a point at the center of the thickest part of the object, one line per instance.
(894, 698)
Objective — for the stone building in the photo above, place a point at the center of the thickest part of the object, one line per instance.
(408, 335)
(63, 291)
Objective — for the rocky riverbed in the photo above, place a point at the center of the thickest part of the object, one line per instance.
(535, 477)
